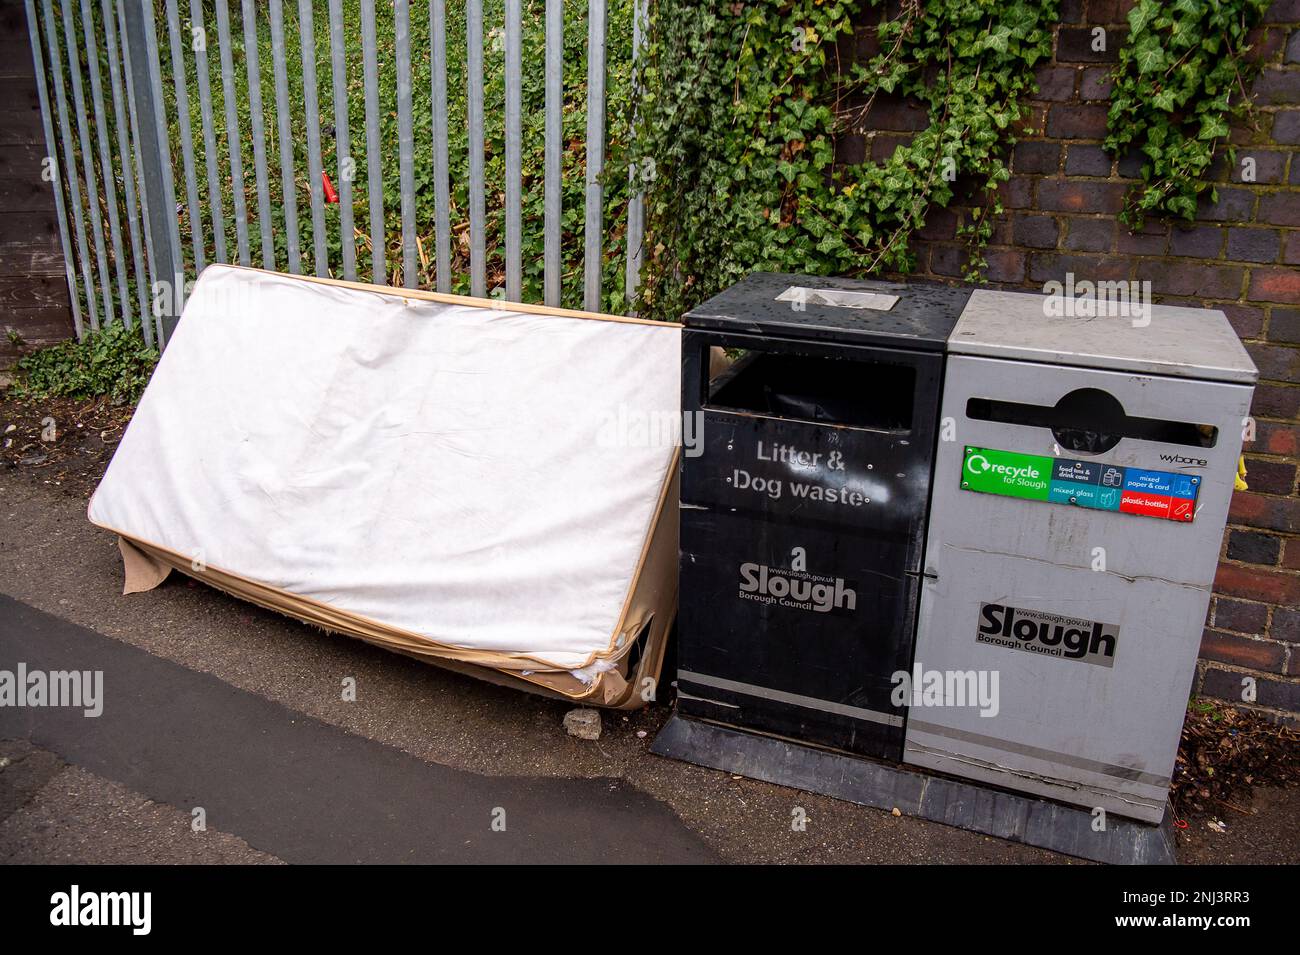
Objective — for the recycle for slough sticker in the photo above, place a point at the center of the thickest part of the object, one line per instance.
(1008, 473)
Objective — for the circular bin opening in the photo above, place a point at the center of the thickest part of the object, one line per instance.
(1088, 421)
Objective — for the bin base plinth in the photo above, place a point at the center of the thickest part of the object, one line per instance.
(953, 802)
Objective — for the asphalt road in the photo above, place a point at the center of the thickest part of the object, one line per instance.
(305, 791)
(213, 704)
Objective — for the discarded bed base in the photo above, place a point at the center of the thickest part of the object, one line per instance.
(953, 802)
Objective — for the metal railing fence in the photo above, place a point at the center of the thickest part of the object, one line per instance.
(460, 147)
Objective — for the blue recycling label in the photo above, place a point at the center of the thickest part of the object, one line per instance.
(1149, 482)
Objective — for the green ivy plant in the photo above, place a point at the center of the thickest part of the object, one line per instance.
(111, 362)
(1182, 77)
(744, 102)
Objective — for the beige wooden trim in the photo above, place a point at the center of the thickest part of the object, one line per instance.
(654, 598)
(610, 689)
(333, 618)
(421, 295)
(639, 615)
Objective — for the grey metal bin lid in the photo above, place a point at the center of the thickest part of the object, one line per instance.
(921, 318)
(1169, 340)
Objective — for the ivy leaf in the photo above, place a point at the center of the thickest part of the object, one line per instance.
(1164, 100)
(998, 40)
(1141, 15)
(1149, 54)
(1212, 127)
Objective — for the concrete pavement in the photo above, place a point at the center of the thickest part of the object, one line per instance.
(237, 710)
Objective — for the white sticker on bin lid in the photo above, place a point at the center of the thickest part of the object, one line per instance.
(876, 301)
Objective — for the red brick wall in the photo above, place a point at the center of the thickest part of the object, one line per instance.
(1240, 255)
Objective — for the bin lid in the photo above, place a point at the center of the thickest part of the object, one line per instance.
(1160, 339)
(916, 315)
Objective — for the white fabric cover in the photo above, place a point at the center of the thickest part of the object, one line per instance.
(450, 470)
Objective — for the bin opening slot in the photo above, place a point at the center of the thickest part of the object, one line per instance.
(875, 395)
(1091, 421)
(876, 301)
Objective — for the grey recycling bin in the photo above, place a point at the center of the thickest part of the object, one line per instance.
(1081, 486)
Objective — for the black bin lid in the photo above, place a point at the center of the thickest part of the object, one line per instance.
(922, 318)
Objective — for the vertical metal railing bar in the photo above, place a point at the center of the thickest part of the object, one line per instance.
(211, 159)
(69, 162)
(125, 158)
(177, 264)
(514, 139)
(405, 141)
(343, 141)
(441, 161)
(187, 142)
(636, 204)
(88, 168)
(286, 137)
(182, 114)
(257, 119)
(158, 177)
(553, 195)
(233, 144)
(316, 186)
(477, 198)
(60, 209)
(149, 281)
(591, 266)
(374, 162)
(105, 158)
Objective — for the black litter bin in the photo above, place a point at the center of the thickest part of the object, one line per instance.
(803, 513)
